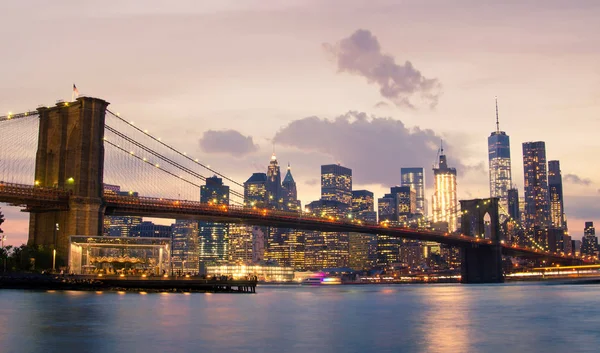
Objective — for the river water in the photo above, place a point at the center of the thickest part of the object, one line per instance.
(531, 317)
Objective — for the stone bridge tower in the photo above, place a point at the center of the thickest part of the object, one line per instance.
(70, 156)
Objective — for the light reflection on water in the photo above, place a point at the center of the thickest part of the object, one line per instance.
(403, 318)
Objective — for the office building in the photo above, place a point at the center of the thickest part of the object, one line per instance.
(499, 164)
(415, 179)
(240, 244)
(555, 188)
(150, 230)
(184, 253)
(363, 206)
(255, 191)
(213, 238)
(444, 205)
(537, 205)
(589, 242)
(327, 249)
(336, 183)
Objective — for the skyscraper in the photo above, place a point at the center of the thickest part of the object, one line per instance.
(363, 206)
(289, 193)
(362, 247)
(273, 184)
(555, 187)
(444, 203)
(537, 205)
(415, 178)
(336, 183)
(184, 256)
(255, 190)
(589, 242)
(513, 205)
(213, 242)
(499, 163)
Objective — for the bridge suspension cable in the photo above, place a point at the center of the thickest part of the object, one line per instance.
(161, 157)
(184, 155)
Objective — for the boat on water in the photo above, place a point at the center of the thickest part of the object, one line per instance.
(321, 280)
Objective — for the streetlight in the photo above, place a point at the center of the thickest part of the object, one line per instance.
(56, 228)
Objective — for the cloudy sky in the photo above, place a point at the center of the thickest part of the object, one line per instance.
(373, 85)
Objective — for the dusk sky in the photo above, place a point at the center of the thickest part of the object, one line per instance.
(373, 85)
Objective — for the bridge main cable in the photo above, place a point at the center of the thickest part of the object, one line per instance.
(175, 150)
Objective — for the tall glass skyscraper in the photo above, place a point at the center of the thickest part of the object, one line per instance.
(336, 183)
(444, 197)
(213, 244)
(499, 162)
(557, 208)
(415, 178)
(537, 205)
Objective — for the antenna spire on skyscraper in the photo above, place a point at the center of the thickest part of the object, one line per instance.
(497, 121)
(441, 146)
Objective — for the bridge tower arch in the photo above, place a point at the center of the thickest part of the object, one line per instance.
(70, 156)
(481, 263)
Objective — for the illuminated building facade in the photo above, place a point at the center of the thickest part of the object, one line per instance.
(499, 164)
(240, 244)
(214, 192)
(362, 253)
(537, 205)
(363, 206)
(589, 242)
(336, 183)
(119, 226)
(327, 249)
(273, 184)
(213, 238)
(555, 188)
(444, 205)
(267, 272)
(185, 246)
(415, 179)
(255, 190)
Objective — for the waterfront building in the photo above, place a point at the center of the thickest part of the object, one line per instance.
(336, 183)
(185, 246)
(444, 205)
(589, 242)
(499, 164)
(555, 189)
(264, 272)
(362, 253)
(537, 205)
(415, 179)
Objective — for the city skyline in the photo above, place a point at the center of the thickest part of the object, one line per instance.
(205, 90)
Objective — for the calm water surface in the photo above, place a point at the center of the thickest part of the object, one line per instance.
(404, 318)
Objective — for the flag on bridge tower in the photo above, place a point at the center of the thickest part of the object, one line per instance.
(75, 93)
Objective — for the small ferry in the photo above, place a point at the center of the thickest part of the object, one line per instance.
(321, 280)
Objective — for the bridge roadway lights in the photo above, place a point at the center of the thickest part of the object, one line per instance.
(482, 264)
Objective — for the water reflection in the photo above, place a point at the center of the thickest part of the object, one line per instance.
(403, 318)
